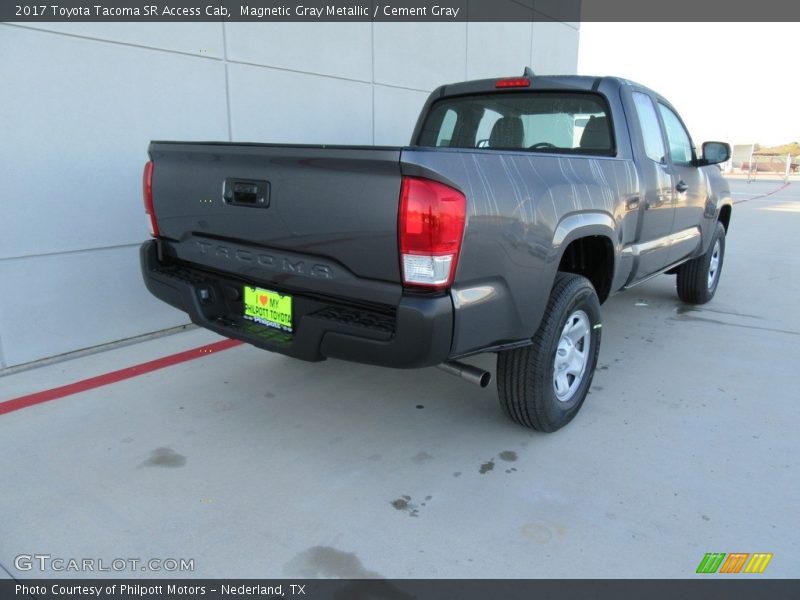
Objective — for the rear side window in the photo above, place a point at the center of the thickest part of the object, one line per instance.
(651, 129)
(565, 122)
(446, 130)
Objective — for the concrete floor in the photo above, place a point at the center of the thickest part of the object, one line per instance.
(256, 465)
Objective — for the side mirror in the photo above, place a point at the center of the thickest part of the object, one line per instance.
(715, 153)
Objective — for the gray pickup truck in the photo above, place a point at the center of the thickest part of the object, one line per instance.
(519, 206)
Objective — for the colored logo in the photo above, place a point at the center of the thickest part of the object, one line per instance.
(735, 562)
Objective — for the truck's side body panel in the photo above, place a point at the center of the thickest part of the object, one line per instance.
(511, 250)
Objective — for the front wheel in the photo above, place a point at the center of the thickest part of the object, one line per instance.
(543, 386)
(698, 279)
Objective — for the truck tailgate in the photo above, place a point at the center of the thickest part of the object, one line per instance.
(336, 204)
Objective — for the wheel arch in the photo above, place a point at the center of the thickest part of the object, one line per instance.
(585, 246)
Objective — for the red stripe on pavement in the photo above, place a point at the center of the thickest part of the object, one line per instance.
(114, 376)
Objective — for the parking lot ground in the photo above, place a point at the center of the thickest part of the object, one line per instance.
(256, 465)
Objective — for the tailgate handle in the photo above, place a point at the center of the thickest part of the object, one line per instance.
(246, 192)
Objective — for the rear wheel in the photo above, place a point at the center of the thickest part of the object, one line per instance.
(698, 279)
(543, 386)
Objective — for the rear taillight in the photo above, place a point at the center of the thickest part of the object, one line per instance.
(147, 192)
(431, 226)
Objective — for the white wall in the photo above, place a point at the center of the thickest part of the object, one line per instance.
(79, 103)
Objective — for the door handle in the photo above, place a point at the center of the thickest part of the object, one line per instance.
(681, 186)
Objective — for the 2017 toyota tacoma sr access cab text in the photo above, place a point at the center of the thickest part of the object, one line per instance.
(519, 206)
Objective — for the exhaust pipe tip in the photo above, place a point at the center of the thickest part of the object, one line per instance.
(469, 373)
(485, 379)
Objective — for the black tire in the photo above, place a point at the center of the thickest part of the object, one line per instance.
(526, 384)
(696, 283)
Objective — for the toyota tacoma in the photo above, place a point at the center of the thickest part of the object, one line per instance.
(519, 206)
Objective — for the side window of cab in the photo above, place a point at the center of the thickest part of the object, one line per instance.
(680, 144)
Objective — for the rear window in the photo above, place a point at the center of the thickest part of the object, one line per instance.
(565, 122)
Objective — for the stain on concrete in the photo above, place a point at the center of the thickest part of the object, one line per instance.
(325, 561)
(127, 440)
(164, 457)
(686, 308)
(421, 458)
(505, 455)
(686, 317)
(400, 503)
(404, 503)
(420, 406)
(269, 395)
(508, 455)
(706, 518)
(457, 474)
(511, 470)
(638, 535)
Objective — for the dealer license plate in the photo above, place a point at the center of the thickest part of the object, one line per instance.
(268, 308)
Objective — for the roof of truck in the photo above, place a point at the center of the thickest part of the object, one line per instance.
(537, 82)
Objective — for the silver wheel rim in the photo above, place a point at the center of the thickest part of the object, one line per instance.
(572, 355)
(713, 265)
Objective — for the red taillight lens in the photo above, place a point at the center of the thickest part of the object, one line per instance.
(431, 227)
(512, 82)
(147, 192)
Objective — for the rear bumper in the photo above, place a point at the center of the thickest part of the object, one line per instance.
(416, 333)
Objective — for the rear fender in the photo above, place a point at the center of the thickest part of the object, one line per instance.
(586, 224)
